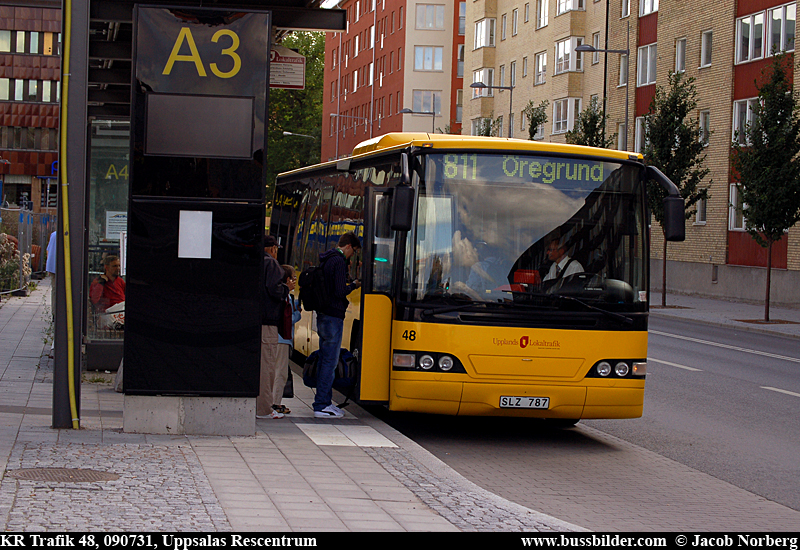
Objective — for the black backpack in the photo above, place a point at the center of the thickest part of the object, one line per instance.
(314, 293)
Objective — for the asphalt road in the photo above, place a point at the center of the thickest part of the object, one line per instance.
(716, 449)
(724, 402)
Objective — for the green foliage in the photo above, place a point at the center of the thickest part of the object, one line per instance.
(536, 116)
(768, 164)
(297, 111)
(673, 145)
(590, 128)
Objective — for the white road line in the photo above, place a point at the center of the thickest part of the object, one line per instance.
(735, 348)
(787, 392)
(684, 367)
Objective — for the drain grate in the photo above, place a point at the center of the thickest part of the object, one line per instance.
(63, 475)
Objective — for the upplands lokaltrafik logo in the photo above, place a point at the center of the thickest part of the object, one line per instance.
(523, 342)
(526, 341)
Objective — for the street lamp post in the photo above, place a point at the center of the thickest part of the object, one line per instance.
(482, 86)
(585, 48)
(407, 111)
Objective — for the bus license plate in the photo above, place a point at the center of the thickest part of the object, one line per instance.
(511, 402)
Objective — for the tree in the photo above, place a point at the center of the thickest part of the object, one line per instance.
(536, 117)
(297, 111)
(673, 145)
(767, 162)
(590, 128)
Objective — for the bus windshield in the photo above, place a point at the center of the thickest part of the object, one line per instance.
(525, 228)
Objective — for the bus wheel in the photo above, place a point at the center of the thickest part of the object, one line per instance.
(561, 423)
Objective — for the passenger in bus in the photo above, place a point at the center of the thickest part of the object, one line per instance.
(109, 288)
(489, 272)
(276, 291)
(563, 265)
(330, 321)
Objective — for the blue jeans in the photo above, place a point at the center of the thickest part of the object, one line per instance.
(330, 331)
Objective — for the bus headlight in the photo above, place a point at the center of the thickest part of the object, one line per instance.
(445, 362)
(426, 362)
(621, 368)
(604, 368)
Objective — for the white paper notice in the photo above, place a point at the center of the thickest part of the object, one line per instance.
(194, 234)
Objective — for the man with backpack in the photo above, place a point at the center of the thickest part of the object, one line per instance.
(330, 320)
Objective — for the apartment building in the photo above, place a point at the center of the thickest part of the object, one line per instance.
(395, 55)
(30, 69)
(724, 46)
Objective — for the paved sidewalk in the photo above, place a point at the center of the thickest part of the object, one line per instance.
(738, 315)
(296, 474)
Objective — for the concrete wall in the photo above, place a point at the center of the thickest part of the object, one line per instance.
(727, 281)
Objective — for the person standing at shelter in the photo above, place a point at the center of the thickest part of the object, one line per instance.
(285, 345)
(330, 321)
(275, 293)
(50, 267)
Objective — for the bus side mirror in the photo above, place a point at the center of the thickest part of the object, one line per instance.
(405, 169)
(674, 219)
(402, 215)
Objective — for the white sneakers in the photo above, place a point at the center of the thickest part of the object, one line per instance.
(331, 411)
(274, 414)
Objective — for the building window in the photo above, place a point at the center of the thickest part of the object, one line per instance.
(623, 70)
(563, 6)
(596, 46)
(680, 55)
(540, 69)
(514, 22)
(743, 117)
(705, 127)
(499, 123)
(750, 37)
(565, 60)
(706, 41)
(502, 75)
(428, 58)
(460, 66)
(542, 9)
(5, 89)
(487, 77)
(524, 66)
(640, 137)
(462, 18)
(647, 7)
(736, 218)
(647, 65)
(626, 9)
(5, 41)
(527, 13)
(781, 29)
(621, 135)
(700, 214)
(459, 105)
(484, 33)
(430, 17)
(503, 21)
(565, 111)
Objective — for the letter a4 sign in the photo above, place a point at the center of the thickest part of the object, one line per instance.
(287, 69)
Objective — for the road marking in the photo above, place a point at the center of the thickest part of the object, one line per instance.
(684, 367)
(735, 348)
(787, 392)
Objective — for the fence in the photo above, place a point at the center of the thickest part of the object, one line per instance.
(24, 236)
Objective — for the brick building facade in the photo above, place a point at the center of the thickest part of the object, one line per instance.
(723, 46)
(30, 69)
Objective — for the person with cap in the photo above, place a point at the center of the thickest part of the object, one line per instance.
(275, 293)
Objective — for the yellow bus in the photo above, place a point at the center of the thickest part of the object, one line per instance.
(500, 277)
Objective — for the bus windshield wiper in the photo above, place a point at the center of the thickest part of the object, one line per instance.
(624, 319)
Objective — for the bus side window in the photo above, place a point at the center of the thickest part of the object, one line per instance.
(383, 245)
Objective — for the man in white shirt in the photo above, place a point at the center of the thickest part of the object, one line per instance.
(563, 265)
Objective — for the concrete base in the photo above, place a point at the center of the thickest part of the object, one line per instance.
(731, 282)
(189, 415)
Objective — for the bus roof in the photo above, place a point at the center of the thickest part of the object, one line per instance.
(401, 140)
